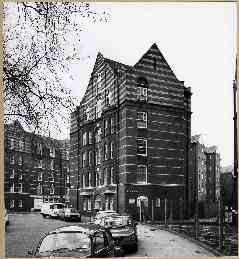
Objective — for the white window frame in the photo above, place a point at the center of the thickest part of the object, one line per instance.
(20, 160)
(52, 190)
(112, 125)
(158, 203)
(84, 139)
(146, 174)
(12, 160)
(146, 146)
(21, 145)
(20, 203)
(12, 175)
(12, 188)
(52, 152)
(20, 188)
(90, 158)
(142, 124)
(105, 182)
(83, 181)
(106, 151)
(142, 93)
(52, 177)
(84, 159)
(67, 179)
(89, 179)
(90, 137)
(20, 176)
(39, 178)
(106, 126)
(111, 150)
(112, 175)
(89, 205)
(12, 143)
(12, 205)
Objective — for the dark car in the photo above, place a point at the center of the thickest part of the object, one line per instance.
(123, 229)
(70, 214)
(83, 240)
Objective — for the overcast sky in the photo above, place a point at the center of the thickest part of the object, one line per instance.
(197, 39)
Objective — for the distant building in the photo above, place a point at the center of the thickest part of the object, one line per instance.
(36, 169)
(130, 139)
(204, 177)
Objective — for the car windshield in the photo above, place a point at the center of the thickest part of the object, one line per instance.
(117, 221)
(65, 243)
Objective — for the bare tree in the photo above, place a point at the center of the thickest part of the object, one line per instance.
(40, 39)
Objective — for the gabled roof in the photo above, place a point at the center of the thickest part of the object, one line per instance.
(115, 65)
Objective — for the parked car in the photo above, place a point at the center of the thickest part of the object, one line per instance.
(52, 210)
(70, 214)
(103, 213)
(6, 218)
(83, 240)
(123, 229)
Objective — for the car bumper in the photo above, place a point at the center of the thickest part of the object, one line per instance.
(125, 241)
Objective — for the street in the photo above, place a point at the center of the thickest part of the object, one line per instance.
(26, 229)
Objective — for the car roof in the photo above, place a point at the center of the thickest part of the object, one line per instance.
(85, 228)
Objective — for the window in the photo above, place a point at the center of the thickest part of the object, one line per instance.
(107, 100)
(39, 177)
(142, 146)
(112, 125)
(12, 160)
(90, 158)
(157, 203)
(67, 155)
(12, 143)
(98, 108)
(101, 178)
(89, 204)
(39, 149)
(111, 204)
(97, 177)
(20, 203)
(20, 160)
(111, 175)
(84, 138)
(84, 159)
(12, 175)
(52, 177)
(39, 189)
(90, 137)
(52, 152)
(52, 164)
(142, 91)
(89, 180)
(141, 119)
(85, 204)
(106, 176)
(20, 176)
(98, 135)
(83, 180)
(38, 163)
(21, 145)
(12, 188)
(106, 127)
(67, 179)
(111, 150)
(106, 151)
(20, 187)
(98, 156)
(11, 203)
(52, 190)
(141, 174)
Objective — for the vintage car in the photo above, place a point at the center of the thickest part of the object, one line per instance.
(70, 214)
(82, 240)
(102, 214)
(123, 229)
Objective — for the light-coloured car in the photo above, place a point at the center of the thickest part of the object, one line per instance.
(70, 214)
(103, 213)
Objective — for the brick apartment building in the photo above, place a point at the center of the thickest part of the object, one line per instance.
(36, 169)
(129, 139)
(204, 177)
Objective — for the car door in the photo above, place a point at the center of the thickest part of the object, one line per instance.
(101, 246)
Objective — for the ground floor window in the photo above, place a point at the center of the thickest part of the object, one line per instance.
(141, 174)
(87, 204)
(109, 203)
(157, 204)
(98, 204)
(20, 203)
(11, 203)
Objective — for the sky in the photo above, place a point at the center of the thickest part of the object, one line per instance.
(198, 41)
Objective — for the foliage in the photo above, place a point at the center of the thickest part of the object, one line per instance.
(40, 40)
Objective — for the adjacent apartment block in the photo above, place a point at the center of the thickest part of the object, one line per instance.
(36, 169)
(204, 176)
(129, 139)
